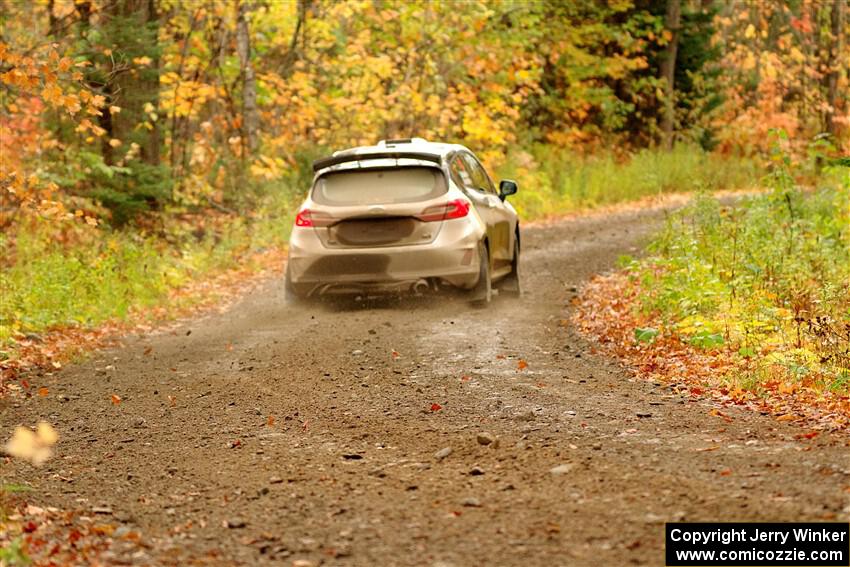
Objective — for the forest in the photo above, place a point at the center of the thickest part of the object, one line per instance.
(148, 142)
(153, 155)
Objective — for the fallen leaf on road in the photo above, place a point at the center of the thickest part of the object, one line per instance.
(395, 354)
(116, 399)
(270, 421)
(43, 391)
(718, 413)
(436, 407)
(522, 364)
(33, 446)
(809, 435)
(148, 350)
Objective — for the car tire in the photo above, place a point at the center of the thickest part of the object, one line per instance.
(482, 293)
(511, 285)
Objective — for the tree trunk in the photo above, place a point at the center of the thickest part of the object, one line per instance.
(668, 71)
(137, 88)
(835, 51)
(250, 120)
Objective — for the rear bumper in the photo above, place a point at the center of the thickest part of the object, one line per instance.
(451, 257)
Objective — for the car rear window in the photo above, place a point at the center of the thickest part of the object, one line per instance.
(379, 186)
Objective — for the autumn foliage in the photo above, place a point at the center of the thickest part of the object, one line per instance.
(751, 303)
(149, 143)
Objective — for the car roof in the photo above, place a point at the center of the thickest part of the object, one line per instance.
(404, 145)
(401, 148)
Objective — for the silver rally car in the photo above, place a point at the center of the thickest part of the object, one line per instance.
(404, 216)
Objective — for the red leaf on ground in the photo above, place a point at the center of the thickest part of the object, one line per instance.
(436, 407)
(116, 399)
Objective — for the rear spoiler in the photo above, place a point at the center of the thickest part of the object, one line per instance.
(336, 160)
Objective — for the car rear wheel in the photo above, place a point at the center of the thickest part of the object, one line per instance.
(511, 284)
(482, 293)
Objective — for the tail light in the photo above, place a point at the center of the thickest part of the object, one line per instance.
(306, 218)
(456, 209)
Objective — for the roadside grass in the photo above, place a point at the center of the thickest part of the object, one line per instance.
(92, 276)
(770, 278)
(83, 277)
(553, 181)
(752, 299)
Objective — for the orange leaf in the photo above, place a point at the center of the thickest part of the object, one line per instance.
(43, 391)
(522, 364)
(809, 435)
(116, 399)
(270, 421)
(395, 354)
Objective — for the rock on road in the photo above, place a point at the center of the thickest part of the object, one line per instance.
(278, 435)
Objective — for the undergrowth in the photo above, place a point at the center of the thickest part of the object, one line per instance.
(554, 181)
(767, 279)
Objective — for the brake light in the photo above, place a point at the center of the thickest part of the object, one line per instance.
(456, 209)
(307, 218)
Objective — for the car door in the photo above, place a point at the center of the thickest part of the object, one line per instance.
(462, 173)
(499, 218)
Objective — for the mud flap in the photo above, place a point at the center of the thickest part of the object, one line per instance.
(483, 291)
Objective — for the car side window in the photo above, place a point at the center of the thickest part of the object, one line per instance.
(461, 174)
(480, 179)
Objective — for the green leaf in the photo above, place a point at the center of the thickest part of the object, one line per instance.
(747, 352)
(705, 339)
(645, 334)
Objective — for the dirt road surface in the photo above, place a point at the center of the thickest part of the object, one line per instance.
(270, 435)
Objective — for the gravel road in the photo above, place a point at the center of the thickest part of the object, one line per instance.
(407, 433)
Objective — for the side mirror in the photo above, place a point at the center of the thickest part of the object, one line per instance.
(506, 187)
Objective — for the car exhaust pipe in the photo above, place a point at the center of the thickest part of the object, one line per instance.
(420, 287)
